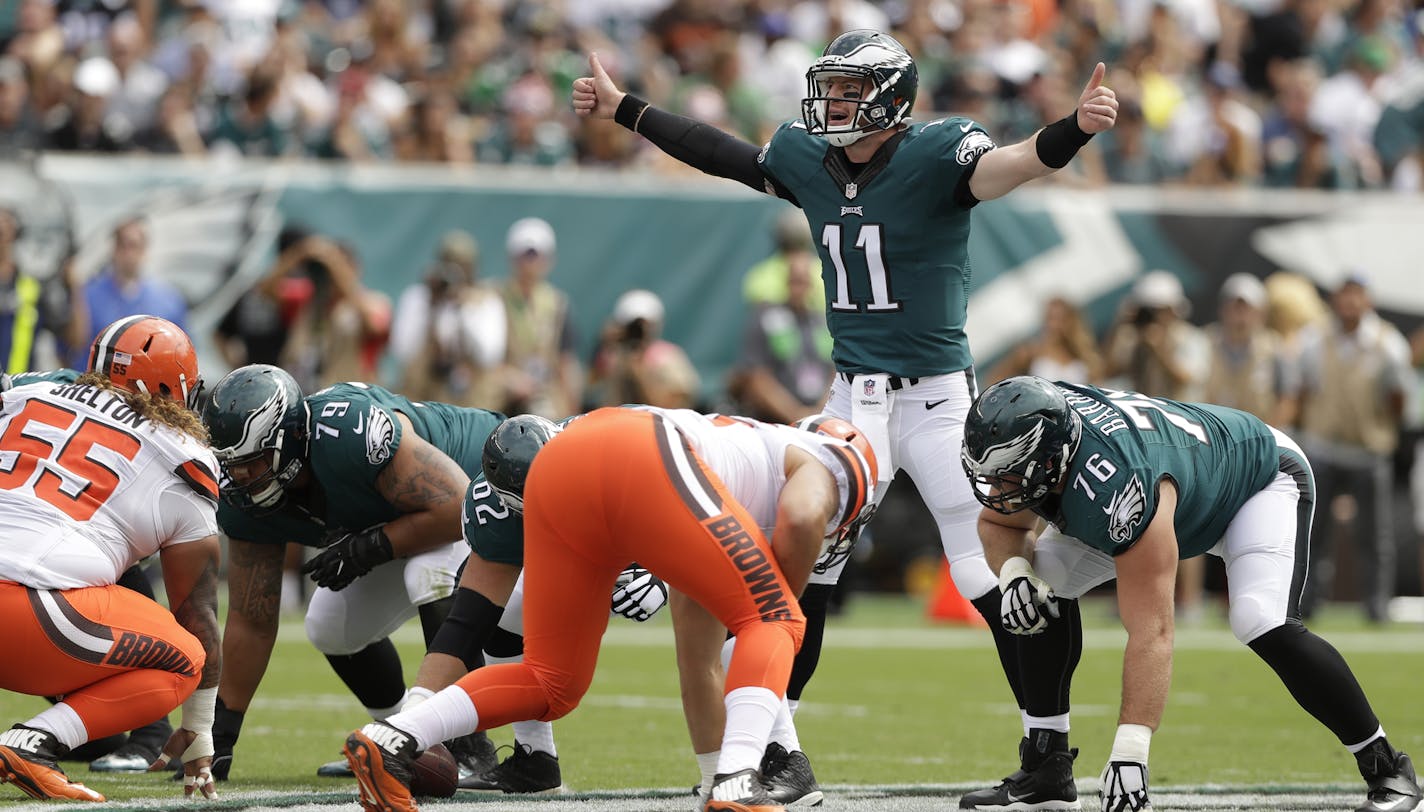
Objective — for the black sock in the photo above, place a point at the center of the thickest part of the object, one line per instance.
(1319, 679)
(373, 674)
(1048, 659)
(815, 601)
(1005, 641)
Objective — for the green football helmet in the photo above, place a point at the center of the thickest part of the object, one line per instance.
(893, 81)
(509, 452)
(254, 410)
(1019, 438)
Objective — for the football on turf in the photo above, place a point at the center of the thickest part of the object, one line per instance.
(435, 774)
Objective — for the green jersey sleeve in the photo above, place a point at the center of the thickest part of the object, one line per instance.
(493, 531)
(354, 435)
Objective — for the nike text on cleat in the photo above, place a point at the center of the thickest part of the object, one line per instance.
(741, 791)
(788, 777)
(29, 759)
(381, 757)
(525, 771)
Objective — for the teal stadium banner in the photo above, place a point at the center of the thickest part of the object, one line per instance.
(690, 238)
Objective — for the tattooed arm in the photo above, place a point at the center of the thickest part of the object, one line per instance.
(428, 488)
(254, 591)
(190, 576)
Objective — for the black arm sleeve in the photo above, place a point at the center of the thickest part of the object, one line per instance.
(700, 146)
(463, 634)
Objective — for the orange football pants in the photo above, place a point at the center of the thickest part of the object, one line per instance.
(114, 656)
(616, 486)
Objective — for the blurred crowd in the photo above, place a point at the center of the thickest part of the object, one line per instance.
(1303, 93)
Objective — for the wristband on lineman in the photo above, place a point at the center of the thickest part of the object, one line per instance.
(630, 111)
(1057, 143)
(1131, 743)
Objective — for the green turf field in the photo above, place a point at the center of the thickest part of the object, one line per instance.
(897, 701)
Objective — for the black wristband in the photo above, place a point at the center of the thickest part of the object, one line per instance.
(629, 111)
(1057, 143)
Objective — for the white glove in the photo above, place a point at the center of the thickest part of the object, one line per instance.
(638, 594)
(1124, 779)
(1025, 598)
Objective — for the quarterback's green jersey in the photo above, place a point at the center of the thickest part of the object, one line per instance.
(353, 434)
(893, 240)
(1216, 457)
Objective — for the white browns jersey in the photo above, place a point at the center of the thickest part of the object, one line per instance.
(749, 456)
(88, 487)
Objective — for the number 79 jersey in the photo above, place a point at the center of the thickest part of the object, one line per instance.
(893, 241)
(1216, 457)
(89, 487)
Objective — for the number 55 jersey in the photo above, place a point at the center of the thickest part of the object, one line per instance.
(89, 487)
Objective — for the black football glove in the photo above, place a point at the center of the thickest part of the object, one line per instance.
(227, 724)
(347, 556)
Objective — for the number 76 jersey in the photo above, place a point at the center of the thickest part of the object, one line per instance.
(89, 487)
(1216, 457)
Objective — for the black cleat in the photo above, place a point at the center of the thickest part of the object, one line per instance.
(1043, 781)
(788, 777)
(474, 754)
(526, 771)
(1393, 786)
(131, 757)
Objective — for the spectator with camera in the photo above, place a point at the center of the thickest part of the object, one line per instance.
(449, 331)
(635, 364)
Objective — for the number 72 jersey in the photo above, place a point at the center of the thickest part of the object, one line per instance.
(1216, 457)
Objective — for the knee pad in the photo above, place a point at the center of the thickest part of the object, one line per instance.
(1250, 619)
(972, 576)
(329, 637)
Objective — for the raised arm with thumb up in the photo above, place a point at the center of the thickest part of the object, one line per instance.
(596, 95)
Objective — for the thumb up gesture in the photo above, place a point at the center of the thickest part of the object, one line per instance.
(596, 95)
(1097, 106)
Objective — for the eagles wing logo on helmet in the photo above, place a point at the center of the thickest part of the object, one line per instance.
(1011, 455)
(380, 433)
(1125, 511)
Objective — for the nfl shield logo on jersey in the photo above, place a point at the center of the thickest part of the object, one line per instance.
(852, 189)
(869, 387)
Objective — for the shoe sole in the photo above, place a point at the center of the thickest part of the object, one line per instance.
(1046, 806)
(733, 806)
(96, 767)
(367, 762)
(335, 769)
(812, 798)
(559, 790)
(40, 782)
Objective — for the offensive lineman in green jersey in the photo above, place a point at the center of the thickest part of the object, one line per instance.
(1129, 485)
(373, 479)
(888, 204)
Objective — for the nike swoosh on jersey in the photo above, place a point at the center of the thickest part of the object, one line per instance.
(360, 423)
(966, 127)
(930, 404)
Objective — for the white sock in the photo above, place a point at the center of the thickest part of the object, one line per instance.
(792, 705)
(707, 763)
(415, 696)
(61, 720)
(444, 716)
(1355, 748)
(750, 714)
(783, 730)
(381, 714)
(1058, 724)
(536, 736)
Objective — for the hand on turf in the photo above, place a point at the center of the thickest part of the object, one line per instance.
(348, 556)
(1124, 787)
(639, 594)
(186, 745)
(1027, 601)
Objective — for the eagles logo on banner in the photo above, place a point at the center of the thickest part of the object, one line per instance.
(380, 433)
(1125, 511)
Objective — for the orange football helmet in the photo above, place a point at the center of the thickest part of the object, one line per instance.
(149, 355)
(842, 430)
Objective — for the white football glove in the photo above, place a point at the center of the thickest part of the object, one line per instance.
(1027, 600)
(1124, 787)
(638, 594)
